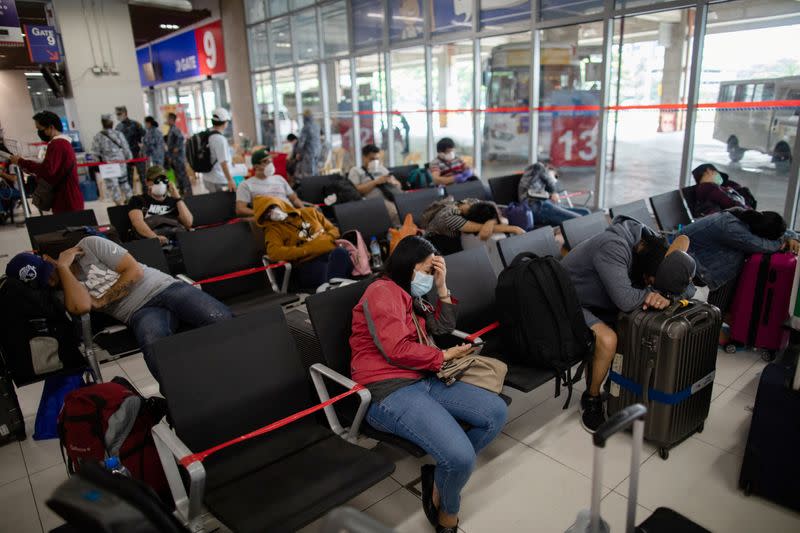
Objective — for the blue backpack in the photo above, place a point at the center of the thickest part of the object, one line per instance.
(520, 214)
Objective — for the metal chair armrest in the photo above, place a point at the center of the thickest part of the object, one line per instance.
(287, 267)
(186, 279)
(171, 449)
(318, 372)
(88, 347)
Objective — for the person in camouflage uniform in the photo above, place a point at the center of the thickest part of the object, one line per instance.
(134, 133)
(153, 142)
(176, 155)
(110, 145)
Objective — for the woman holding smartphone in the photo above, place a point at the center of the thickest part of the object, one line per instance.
(394, 356)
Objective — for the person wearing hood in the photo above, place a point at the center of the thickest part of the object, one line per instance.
(716, 192)
(263, 183)
(539, 188)
(110, 145)
(624, 268)
(59, 167)
(373, 180)
(308, 148)
(303, 237)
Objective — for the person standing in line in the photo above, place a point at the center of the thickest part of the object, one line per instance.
(134, 133)
(176, 155)
(153, 142)
(219, 178)
(59, 167)
(110, 145)
(308, 148)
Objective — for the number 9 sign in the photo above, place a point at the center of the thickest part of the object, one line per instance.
(210, 48)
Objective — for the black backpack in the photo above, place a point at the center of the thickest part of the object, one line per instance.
(540, 318)
(198, 152)
(344, 190)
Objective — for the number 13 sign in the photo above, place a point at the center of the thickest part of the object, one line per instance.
(574, 141)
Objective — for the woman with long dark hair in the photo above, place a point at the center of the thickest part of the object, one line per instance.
(395, 357)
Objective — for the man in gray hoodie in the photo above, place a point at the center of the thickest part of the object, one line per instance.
(616, 271)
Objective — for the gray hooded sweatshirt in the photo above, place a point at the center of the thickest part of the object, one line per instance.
(600, 268)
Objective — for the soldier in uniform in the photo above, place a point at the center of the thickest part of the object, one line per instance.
(134, 133)
(110, 145)
(176, 155)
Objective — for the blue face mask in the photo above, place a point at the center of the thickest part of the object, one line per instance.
(421, 284)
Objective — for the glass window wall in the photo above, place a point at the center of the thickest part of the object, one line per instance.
(334, 28)
(265, 104)
(367, 23)
(306, 39)
(254, 10)
(280, 42)
(452, 71)
(259, 47)
(371, 87)
(340, 91)
(564, 9)
(406, 20)
(496, 15)
(409, 119)
(278, 7)
(287, 104)
(448, 17)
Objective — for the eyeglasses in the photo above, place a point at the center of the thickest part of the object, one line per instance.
(161, 179)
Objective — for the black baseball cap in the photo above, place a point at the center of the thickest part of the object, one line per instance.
(698, 172)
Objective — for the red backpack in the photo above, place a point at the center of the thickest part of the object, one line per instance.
(112, 419)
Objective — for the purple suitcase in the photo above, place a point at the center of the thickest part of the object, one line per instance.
(761, 303)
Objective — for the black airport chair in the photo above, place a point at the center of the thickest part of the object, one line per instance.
(636, 210)
(690, 196)
(118, 217)
(505, 188)
(540, 241)
(228, 249)
(311, 188)
(415, 202)
(469, 189)
(212, 209)
(577, 230)
(670, 210)
(370, 217)
(148, 252)
(232, 378)
(402, 172)
(61, 221)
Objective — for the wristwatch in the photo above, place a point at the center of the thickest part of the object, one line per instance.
(446, 296)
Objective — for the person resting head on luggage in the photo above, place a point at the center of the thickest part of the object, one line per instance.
(395, 358)
(100, 275)
(303, 237)
(160, 211)
(721, 242)
(448, 219)
(263, 183)
(539, 188)
(448, 168)
(716, 192)
(626, 267)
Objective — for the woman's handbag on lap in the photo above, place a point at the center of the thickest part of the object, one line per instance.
(479, 370)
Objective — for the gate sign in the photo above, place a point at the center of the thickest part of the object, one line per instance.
(196, 52)
(42, 44)
(10, 33)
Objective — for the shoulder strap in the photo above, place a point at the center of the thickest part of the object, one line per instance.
(110, 138)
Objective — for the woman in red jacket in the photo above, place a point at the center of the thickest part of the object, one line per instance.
(59, 166)
(395, 357)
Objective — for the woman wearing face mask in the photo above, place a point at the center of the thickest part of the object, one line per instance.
(715, 192)
(373, 180)
(59, 167)
(395, 358)
(303, 237)
(263, 183)
(448, 168)
(160, 212)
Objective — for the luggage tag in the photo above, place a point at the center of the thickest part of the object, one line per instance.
(616, 366)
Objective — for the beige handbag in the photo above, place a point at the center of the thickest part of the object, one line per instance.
(479, 370)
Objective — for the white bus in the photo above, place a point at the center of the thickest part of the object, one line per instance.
(771, 131)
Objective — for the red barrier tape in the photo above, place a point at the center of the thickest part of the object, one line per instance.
(487, 329)
(240, 273)
(120, 161)
(200, 456)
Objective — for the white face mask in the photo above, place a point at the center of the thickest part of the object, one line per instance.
(277, 215)
(374, 166)
(449, 156)
(159, 189)
(269, 170)
(552, 174)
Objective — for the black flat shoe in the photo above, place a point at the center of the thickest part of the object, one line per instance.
(441, 529)
(431, 512)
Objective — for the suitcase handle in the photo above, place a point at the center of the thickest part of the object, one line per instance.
(620, 421)
(700, 318)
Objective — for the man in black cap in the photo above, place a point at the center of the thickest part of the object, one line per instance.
(134, 133)
(716, 191)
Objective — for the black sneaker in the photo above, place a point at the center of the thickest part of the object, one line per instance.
(594, 413)
(585, 396)
(431, 512)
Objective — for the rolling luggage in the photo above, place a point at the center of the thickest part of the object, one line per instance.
(667, 360)
(770, 468)
(55, 242)
(12, 425)
(663, 519)
(761, 304)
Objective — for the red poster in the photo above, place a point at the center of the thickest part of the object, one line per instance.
(574, 141)
(210, 48)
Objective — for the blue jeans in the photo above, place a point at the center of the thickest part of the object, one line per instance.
(180, 303)
(545, 212)
(334, 264)
(427, 414)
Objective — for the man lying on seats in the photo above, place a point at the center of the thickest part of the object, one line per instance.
(622, 269)
(721, 242)
(100, 275)
(263, 183)
(303, 237)
(539, 187)
(159, 212)
(446, 220)
(394, 356)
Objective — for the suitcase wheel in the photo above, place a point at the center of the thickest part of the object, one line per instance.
(701, 427)
(663, 453)
(730, 348)
(747, 488)
(769, 356)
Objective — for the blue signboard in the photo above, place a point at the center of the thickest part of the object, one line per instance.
(42, 44)
(499, 12)
(367, 23)
(177, 57)
(452, 15)
(406, 19)
(9, 23)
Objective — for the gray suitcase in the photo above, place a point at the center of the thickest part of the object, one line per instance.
(667, 360)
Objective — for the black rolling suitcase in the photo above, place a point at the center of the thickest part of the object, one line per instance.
(770, 468)
(667, 360)
(12, 425)
(663, 519)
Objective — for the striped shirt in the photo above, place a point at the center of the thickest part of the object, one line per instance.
(448, 221)
(447, 168)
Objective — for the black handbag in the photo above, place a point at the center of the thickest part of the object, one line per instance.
(44, 194)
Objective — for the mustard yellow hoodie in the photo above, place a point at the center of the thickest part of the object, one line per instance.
(303, 235)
